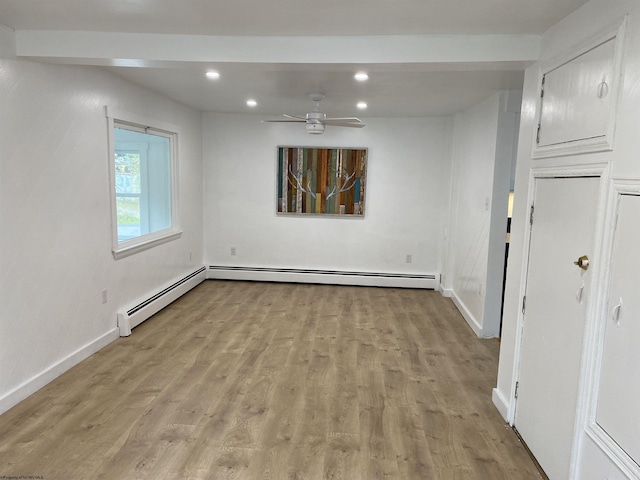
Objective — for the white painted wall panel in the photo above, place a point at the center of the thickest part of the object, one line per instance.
(407, 197)
(474, 158)
(482, 157)
(55, 215)
(516, 275)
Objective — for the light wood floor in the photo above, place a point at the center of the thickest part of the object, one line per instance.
(241, 380)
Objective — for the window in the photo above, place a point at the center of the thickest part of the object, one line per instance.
(143, 168)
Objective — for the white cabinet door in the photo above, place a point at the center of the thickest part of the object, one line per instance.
(578, 97)
(618, 410)
(554, 320)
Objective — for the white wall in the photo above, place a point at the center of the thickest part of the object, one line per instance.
(625, 159)
(408, 177)
(55, 231)
(483, 144)
(503, 181)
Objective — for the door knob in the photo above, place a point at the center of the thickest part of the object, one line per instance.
(582, 262)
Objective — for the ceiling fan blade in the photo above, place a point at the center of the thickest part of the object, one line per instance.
(343, 119)
(293, 116)
(344, 124)
(291, 120)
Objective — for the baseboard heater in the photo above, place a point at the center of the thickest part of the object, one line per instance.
(335, 277)
(138, 313)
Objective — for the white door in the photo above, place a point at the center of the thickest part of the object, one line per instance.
(619, 394)
(562, 231)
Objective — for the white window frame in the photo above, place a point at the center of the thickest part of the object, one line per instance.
(145, 125)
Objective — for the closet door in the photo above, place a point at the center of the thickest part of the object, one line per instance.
(562, 232)
(618, 409)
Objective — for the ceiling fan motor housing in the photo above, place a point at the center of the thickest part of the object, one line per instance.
(315, 128)
(314, 122)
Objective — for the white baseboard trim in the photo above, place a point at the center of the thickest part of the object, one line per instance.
(142, 311)
(473, 323)
(330, 277)
(445, 292)
(32, 385)
(501, 403)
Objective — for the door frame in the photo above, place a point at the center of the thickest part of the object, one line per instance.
(593, 301)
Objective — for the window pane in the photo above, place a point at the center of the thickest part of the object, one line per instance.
(128, 209)
(142, 182)
(127, 172)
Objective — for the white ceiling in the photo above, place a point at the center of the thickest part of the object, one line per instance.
(299, 46)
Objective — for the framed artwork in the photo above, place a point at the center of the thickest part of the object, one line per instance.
(321, 181)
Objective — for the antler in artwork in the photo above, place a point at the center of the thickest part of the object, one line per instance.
(345, 186)
(298, 185)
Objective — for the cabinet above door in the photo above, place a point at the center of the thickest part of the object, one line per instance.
(578, 98)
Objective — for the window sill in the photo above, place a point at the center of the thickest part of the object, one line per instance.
(131, 247)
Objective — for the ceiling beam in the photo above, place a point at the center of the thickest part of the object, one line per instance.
(138, 49)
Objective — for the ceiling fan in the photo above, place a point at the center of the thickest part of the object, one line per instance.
(315, 121)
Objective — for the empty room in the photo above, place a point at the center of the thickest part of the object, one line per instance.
(294, 240)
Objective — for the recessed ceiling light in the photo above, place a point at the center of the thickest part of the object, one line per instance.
(361, 77)
(212, 75)
(361, 105)
(251, 103)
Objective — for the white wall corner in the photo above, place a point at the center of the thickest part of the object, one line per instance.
(467, 315)
(513, 103)
(7, 43)
(500, 403)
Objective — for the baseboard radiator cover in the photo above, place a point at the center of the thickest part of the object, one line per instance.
(138, 313)
(331, 277)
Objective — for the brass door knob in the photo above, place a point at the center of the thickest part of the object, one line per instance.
(582, 262)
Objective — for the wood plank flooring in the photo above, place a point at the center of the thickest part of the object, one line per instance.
(243, 380)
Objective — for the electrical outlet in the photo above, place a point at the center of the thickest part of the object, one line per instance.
(232, 250)
(409, 258)
(104, 296)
